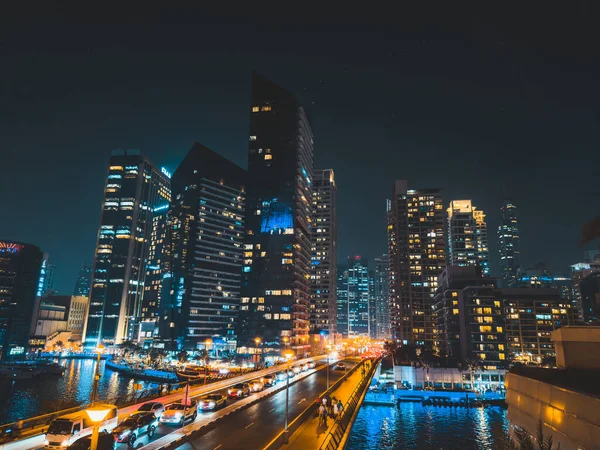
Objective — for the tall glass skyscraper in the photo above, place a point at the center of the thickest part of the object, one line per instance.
(355, 292)
(381, 285)
(84, 280)
(324, 253)
(417, 255)
(276, 273)
(134, 188)
(207, 234)
(508, 240)
(467, 236)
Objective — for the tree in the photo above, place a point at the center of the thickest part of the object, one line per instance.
(182, 356)
(58, 345)
(525, 442)
(472, 365)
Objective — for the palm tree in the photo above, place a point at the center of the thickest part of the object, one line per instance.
(472, 365)
(525, 442)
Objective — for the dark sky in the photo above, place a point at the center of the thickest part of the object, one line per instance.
(478, 103)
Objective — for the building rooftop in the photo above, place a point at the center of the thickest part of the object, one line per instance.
(576, 380)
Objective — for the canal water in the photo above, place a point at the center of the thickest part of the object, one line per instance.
(27, 398)
(414, 426)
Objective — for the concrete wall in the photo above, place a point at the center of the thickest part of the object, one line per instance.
(573, 419)
(577, 347)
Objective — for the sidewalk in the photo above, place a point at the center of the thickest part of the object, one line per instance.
(310, 435)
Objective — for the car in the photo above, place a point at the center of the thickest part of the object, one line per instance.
(304, 367)
(311, 364)
(106, 441)
(239, 390)
(256, 386)
(156, 407)
(291, 373)
(281, 376)
(178, 413)
(134, 426)
(270, 380)
(297, 369)
(339, 366)
(211, 402)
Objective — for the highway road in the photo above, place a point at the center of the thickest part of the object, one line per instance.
(255, 426)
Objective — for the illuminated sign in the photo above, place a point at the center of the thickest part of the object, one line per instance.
(161, 208)
(10, 247)
(165, 172)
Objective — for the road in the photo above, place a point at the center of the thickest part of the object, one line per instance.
(256, 426)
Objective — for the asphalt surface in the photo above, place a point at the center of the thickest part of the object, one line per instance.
(256, 426)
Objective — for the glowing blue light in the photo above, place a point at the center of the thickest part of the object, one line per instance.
(247, 269)
(153, 268)
(161, 208)
(276, 217)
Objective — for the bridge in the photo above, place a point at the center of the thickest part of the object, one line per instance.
(257, 419)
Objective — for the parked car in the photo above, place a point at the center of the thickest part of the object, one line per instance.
(256, 386)
(106, 441)
(177, 413)
(239, 390)
(156, 407)
(211, 402)
(134, 426)
(270, 380)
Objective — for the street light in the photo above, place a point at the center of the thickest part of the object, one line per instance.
(207, 345)
(97, 414)
(288, 356)
(257, 341)
(94, 396)
(327, 368)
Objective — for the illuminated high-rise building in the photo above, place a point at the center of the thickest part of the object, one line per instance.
(207, 235)
(355, 291)
(467, 236)
(381, 285)
(20, 269)
(134, 188)
(276, 284)
(417, 255)
(579, 271)
(84, 280)
(508, 240)
(342, 300)
(324, 253)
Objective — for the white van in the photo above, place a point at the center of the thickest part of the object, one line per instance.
(65, 430)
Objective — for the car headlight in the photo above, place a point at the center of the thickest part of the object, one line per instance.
(211, 404)
(178, 415)
(46, 442)
(65, 443)
(239, 392)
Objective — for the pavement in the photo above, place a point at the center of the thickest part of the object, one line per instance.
(254, 427)
(310, 435)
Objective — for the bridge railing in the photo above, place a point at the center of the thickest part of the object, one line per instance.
(335, 438)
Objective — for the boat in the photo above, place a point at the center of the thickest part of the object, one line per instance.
(30, 370)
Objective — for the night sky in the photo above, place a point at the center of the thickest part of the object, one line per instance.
(480, 104)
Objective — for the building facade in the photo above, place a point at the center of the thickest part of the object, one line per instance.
(84, 281)
(342, 300)
(509, 244)
(324, 253)
(207, 235)
(134, 188)
(589, 289)
(531, 316)
(417, 255)
(470, 317)
(20, 269)
(276, 278)
(467, 236)
(381, 294)
(579, 271)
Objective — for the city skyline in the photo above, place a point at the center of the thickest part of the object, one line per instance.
(495, 142)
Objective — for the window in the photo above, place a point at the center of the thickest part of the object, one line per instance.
(255, 109)
(485, 329)
(286, 261)
(455, 311)
(499, 329)
(455, 294)
(268, 156)
(265, 108)
(252, 138)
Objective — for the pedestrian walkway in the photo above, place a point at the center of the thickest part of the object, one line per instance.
(310, 435)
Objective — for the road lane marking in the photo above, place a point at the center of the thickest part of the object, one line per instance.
(303, 400)
(272, 410)
(218, 446)
(249, 425)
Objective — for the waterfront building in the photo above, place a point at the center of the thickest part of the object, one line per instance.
(84, 281)
(381, 295)
(447, 379)
(58, 318)
(324, 253)
(276, 277)
(342, 300)
(134, 188)
(207, 238)
(20, 269)
(470, 318)
(579, 271)
(467, 236)
(531, 316)
(509, 244)
(589, 288)
(417, 255)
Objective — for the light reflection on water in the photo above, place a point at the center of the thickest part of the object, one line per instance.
(414, 426)
(28, 398)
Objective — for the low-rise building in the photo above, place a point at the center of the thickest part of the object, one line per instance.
(440, 378)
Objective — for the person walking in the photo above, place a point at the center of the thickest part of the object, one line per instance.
(322, 415)
(340, 408)
(335, 410)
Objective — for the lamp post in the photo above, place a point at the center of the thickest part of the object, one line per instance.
(207, 344)
(257, 341)
(96, 414)
(288, 356)
(327, 368)
(94, 395)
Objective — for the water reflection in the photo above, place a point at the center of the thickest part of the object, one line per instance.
(27, 398)
(414, 426)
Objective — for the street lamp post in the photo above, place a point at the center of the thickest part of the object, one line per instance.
(288, 356)
(327, 368)
(96, 414)
(257, 341)
(207, 345)
(94, 396)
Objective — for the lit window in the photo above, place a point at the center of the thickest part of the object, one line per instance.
(252, 138)
(265, 108)
(286, 261)
(455, 311)
(255, 109)
(455, 294)
(268, 156)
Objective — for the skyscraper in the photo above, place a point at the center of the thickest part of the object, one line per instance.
(579, 271)
(342, 300)
(359, 296)
(417, 255)
(467, 236)
(134, 188)
(46, 281)
(207, 214)
(84, 280)
(276, 278)
(324, 254)
(382, 298)
(20, 268)
(508, 239)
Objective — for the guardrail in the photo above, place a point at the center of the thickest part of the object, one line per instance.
(337, 437)
(36, 425)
